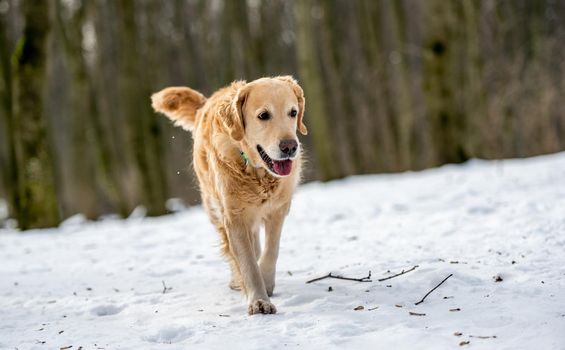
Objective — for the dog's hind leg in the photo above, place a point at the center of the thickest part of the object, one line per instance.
(235, 281)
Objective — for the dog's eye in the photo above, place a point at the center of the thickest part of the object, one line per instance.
(264, 116)
(293, 113)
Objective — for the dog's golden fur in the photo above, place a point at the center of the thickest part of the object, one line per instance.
(240, 190)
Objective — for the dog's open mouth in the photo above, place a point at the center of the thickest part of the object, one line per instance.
(279, 167)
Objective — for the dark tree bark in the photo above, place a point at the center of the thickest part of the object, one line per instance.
(343, 155)
(83, 146)
(378, 100)
(113, 156)
(143, 127)
(400, 82)
(308, 68)
(35, 203)
(441, 63)
(8, 167)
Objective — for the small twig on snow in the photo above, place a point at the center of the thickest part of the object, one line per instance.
(329, 275)
(165, 288)
(483, 336)
(440, 283)
(398, 274)
(415, 313)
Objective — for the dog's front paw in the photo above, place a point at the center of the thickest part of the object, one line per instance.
(260, 306)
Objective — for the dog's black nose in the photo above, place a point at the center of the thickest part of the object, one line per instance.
(288, 147)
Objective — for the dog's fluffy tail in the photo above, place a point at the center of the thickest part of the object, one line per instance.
(179, 104)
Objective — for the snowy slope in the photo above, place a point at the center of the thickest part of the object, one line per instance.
(99, 285)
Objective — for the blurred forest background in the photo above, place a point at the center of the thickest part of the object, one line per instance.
(390, 86)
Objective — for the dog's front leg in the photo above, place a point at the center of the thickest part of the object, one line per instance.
(241, 246)
(268, 260)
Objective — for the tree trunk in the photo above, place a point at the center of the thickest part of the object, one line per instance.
(441, 80)
(143, 128)
(333, 89)
(83, 147)
(378, 102)
(8, 174)
(308, 68)
(113, 155)
(35, 203)
(399, 79)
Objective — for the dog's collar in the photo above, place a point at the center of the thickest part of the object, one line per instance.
(245, 158)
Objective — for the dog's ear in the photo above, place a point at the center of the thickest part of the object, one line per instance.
(231, 112)
(301, 101)
(179, 104)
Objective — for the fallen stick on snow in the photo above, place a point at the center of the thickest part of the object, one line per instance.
(430, 292)
(398, 274)
(416, 314)
(165, 288)
(329, 275)
(483, 336)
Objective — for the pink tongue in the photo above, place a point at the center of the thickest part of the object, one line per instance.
(282, 167)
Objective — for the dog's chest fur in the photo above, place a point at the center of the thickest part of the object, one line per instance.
(254, 187)
(231, 187)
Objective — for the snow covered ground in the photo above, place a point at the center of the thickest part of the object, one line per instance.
(100, 285)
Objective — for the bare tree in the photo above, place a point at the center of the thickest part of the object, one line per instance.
(35, 204)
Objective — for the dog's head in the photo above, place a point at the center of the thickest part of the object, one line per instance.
(261, 116)
(266, 114)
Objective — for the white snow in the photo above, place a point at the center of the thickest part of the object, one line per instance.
(100, 285)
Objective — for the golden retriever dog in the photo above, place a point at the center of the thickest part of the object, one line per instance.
(247, 158)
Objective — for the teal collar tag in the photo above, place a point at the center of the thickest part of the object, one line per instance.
(244, 157)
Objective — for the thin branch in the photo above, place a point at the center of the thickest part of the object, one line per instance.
(430, 292)
(329, 275)
(483, 336)
(398, 274)
(416, 314)
(165, 288)
(320, 278)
